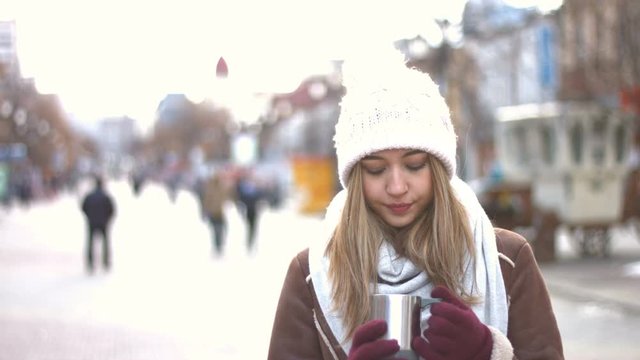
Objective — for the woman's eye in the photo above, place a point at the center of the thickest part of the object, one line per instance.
(374, 171)
(416, 167)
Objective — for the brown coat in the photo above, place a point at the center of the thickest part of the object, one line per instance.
(216, 193)
(300, 330)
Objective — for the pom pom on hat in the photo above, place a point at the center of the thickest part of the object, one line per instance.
(390, 106)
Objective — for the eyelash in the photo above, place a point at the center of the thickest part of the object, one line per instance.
(412, 168)
(374, 171)
(417, 167)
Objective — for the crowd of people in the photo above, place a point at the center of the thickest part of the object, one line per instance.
(22, 183)
(239, 187)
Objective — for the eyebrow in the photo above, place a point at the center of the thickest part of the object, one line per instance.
(407, 154)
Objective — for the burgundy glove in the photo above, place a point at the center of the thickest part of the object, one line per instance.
(454, 331)
(367, 344)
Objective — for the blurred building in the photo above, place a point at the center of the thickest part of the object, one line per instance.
(600, 51)
(9, 79)
(8, 49)
(585, 51)
(187, 140)
(302, 122)
(297, 134)
(545, 106)
(507, 56)
(116, 137)
(172, 109)
(35, 122)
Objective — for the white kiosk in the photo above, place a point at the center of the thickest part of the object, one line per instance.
(574, 159)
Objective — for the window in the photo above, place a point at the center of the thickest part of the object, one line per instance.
(548, 144)
(589, 34)
(522, 146)
(619, 143)
(598, 148)
(577, 142)
(568, 43)
(607, 43)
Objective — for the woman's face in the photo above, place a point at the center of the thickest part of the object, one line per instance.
(397, 184)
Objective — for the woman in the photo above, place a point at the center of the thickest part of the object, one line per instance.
(215, 196)
(405, 224)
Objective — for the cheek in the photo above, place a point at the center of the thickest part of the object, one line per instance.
(370, 189)
(425, 186)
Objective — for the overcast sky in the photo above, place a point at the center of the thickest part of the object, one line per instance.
(122, 56)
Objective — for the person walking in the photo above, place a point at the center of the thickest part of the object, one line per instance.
(249, 194)
(215, 195)
(404, 223)
(99, 209)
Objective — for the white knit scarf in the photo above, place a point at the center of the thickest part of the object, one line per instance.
(408, 278)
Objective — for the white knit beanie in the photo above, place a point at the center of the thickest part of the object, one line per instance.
(390, 106)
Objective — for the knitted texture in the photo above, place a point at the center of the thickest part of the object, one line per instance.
(390, 106)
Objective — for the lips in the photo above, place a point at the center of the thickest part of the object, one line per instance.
(399, 208)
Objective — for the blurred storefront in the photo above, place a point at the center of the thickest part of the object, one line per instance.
(299, 128)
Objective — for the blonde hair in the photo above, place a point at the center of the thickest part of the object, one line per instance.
(439, 241)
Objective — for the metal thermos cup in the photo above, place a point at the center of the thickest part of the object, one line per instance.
(402, 314)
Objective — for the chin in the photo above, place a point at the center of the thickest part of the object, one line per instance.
(398, 223)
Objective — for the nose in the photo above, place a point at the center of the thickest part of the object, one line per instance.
(396, 183)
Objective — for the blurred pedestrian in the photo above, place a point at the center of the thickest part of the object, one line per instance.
(406, 224)
(215, 195)
(4, 185)
(137, 181)
(249, 194)
(99, 209)
(172, 185)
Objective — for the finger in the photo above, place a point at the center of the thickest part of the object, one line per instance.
(378, 349)
(369, 331)
(441, 344)
(441, 326)
(424, 349)
(420, 345)
(453, 313)
(446, 295)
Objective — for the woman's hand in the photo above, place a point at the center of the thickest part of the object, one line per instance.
(367, 344)
(454, 331)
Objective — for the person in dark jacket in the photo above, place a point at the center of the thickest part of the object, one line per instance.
(249, 195)
(98, 208)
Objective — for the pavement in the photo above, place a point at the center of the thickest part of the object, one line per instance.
(166, 297)
(613, 280)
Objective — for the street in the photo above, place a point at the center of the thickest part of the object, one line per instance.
(169, 297)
